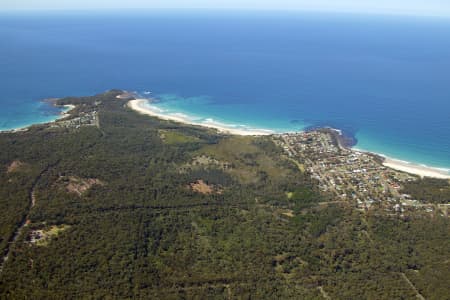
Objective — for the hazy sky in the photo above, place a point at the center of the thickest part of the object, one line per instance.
(419, 7)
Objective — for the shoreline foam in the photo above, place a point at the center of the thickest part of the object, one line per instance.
(411, 167)
(422, 171)
(143, 106)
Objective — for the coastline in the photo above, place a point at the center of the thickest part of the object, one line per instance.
(143, 106)
(63, 114)
(422, 171)
(418, 169)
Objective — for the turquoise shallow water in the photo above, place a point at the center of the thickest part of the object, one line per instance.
(203, 108)
(20, 115)
(384, 80)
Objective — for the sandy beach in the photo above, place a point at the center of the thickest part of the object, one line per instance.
(66, 112)
(411, 168)
(142, 106)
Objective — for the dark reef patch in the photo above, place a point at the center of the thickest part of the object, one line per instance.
(345, 135)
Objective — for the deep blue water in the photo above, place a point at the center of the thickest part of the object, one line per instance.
(384, 79)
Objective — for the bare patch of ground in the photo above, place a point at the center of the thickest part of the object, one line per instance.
(15, 166)
(205, 162)
(201, 187)
(288, 213)
(79, 186)
(42, 237)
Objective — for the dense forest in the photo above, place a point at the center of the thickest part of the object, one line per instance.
(429, 190)
(135, 207)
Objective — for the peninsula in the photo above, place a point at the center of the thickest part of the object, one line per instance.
(111, 203)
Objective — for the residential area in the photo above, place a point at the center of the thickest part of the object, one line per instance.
(349, 175)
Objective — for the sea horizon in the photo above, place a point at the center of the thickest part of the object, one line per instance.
(280, 74)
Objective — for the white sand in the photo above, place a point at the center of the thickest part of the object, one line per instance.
(142, 106)
(66, 112)
(422, 171)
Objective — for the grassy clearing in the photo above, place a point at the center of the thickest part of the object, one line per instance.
(173, 137)
(248, 159)
(43, 236)
(78, 185)
(300, 166)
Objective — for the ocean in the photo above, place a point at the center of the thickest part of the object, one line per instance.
(383, 79)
